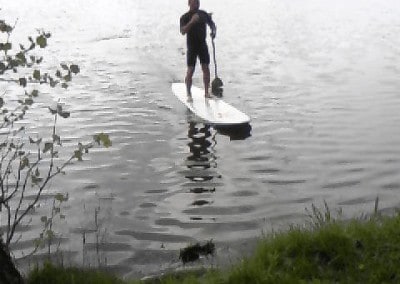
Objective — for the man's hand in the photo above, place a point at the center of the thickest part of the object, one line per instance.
(213, 34)
(195, 18)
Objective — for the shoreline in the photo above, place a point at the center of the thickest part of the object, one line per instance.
(327, 249)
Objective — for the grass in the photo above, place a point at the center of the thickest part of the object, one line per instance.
(49, 274)
(327, 251)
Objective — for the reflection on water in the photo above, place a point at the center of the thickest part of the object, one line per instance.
(235, 132)
(202, 146)
(202, 164)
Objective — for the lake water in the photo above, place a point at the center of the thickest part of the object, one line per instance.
(320, 80)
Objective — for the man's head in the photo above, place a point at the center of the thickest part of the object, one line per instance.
(194, 4)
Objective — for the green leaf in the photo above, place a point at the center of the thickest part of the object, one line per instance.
(103, 139)
(64, 66)
(43, 219)
(13, 63)
(59, 107)
(64, 114)
(64, 85)
(23, 82)
(78, 155)
(59, 197)
(5, 46)
(35, 93)
(37, 142)
(28, 101)
(4, 28)
(67, 77)
(24, 163)
(45, 77)
(47, 146)
(36, 180)
(37, 243)
(41, 41)
(1, 102)
(53, 82)
(74, 69)
(21, 57)
(36, 74)
(53, 111)
(56, 139)
(50, 234)
(37, 173)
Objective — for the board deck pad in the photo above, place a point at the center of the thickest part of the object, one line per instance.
(212, 110)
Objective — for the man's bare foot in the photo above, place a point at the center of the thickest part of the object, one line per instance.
(189, 98)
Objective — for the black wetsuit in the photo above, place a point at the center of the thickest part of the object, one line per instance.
(196, 37)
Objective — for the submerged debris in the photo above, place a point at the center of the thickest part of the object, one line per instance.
(193, 252)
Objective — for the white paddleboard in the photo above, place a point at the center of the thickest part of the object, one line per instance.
(212, 110)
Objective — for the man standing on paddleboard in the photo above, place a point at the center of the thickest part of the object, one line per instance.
(193, 25)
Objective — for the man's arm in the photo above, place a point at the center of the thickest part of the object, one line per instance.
(212, 26)
(185, 28)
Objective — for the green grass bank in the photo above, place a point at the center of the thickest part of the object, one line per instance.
(364, 250)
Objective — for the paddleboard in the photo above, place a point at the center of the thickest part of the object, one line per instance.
(212, 110)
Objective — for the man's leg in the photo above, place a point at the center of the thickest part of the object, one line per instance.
(191, 57)
(206, 79)
(188, 79)
(205, 62)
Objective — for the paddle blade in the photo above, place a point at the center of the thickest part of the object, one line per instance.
(216, 87)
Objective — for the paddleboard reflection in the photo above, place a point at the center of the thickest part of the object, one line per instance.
(235, 132)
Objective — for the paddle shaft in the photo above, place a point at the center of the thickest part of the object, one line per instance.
(215, 61)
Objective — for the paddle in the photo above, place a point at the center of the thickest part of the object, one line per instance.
(216, 84)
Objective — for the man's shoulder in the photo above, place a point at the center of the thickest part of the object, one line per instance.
(186, 15)
(185, 18)
(205, 16)
(202, 11)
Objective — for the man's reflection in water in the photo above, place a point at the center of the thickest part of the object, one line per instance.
(201, 164)
(202, 172)
(201, 146)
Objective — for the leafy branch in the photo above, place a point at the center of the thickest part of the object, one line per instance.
(28, 164)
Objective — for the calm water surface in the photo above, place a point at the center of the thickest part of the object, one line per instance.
(320, 80)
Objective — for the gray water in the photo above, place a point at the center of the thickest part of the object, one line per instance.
(318, 78)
